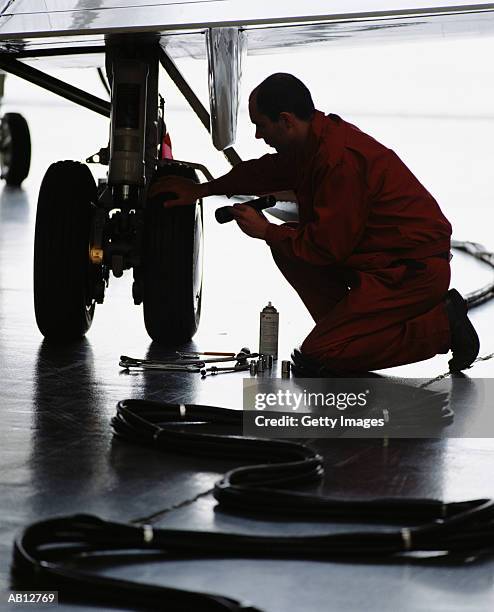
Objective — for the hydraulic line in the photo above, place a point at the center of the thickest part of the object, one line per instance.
(279, 464)
(43, 547)
(486, 293)
(46, 554)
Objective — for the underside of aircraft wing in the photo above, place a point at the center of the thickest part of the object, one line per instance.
(76, 32)
(33, 28)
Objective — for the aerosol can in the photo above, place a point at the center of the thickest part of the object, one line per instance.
(268, 331)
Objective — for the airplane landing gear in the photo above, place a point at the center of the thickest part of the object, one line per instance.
(15, 149)
(84, 233)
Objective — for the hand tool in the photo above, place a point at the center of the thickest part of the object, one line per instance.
(147, 364)
(197, 354)
(179, 364)
(225, 213)
(214, 370)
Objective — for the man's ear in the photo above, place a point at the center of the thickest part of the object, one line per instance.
(287, 120)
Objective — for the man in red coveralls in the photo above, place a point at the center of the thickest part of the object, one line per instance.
(370, 254)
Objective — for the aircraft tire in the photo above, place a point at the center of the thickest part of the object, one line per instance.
(15, 149)
(172, 265)
(63, 307)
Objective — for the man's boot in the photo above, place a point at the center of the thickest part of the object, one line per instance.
(305, 367)
(464, 339)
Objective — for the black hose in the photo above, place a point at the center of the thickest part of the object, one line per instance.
(486, 293)
(457, 532)
(279, 464)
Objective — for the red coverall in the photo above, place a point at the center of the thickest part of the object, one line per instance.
(369, 256)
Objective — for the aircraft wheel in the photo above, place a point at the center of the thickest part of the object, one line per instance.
(172, 266)
(15, 149)
(63, 301)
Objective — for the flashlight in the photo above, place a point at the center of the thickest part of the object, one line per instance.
(225, 213)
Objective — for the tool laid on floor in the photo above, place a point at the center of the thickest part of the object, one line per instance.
(195, 354)
(285, 369)
(216, 357)
(149, 364)
(191, 361)
(213, 370)
(186, 363)
(144, 364)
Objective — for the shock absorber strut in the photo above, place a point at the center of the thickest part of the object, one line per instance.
(128, 130)
(133, 72)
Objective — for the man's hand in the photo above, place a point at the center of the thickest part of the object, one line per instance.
(186, 190)
(251, 222)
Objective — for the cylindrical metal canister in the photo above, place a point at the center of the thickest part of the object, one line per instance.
(268, 331)
(285, 369)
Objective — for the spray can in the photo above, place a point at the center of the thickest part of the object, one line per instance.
(268, 331)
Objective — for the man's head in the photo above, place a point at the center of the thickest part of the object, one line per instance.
(281, 108)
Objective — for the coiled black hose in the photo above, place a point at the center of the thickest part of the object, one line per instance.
(486, 293)
(280, 465)
(454, 532)
(44, 546)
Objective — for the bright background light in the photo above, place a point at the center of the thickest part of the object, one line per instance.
(433, 103)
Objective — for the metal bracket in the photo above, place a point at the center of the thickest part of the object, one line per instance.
(101, 157)
(201, 167)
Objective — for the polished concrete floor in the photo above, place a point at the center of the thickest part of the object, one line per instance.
(58, 455)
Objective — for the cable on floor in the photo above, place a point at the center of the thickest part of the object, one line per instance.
(47, 552)
(486, 293)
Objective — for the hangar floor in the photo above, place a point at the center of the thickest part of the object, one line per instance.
(58, 455)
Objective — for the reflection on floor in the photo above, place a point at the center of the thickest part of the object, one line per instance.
(58, 455)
